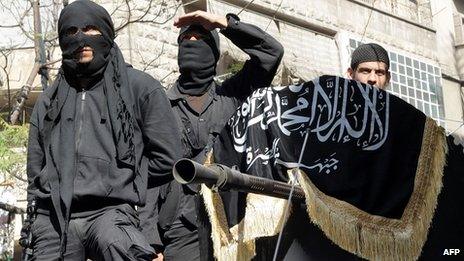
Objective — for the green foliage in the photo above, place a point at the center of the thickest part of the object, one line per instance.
(13, 142)
(7, 256)
(235, 67)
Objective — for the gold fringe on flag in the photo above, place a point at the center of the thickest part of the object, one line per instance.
(264, 217)
(376, 237)
(368, 236)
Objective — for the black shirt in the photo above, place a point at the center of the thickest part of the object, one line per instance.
(199, 129)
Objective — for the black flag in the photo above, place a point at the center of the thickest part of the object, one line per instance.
(371, 166)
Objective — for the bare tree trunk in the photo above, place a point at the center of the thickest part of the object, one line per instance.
(22, 97)
(9, 92)
(7, 76)
(39, 44)
(39, 62)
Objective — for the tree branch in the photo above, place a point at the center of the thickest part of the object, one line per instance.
(24, 93)
(38, 65)
(11, 208)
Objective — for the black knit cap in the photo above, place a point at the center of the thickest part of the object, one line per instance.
(370, 52)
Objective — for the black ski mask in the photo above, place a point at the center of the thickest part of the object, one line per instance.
(75, 18)
(108, 64)
(197, 60)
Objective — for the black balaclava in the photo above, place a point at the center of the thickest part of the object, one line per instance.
(75, 17)
(197, 60)
(370, 52)
(107, 64)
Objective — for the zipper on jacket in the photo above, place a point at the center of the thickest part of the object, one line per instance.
(80, 123)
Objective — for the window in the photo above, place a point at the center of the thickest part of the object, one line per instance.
(416, 82)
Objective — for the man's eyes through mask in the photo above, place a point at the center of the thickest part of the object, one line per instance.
(88, 30)
(72, 30)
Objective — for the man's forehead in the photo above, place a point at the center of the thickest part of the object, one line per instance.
(375, 65)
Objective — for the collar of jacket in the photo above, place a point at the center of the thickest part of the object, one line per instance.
(174, 95)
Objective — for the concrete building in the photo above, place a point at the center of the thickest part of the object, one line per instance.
(425, 40)
(448, 20)
(425, 43)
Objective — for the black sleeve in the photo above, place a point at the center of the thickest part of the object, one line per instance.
(161, 135)
(35, 155)
(265, 55)
(149, 218)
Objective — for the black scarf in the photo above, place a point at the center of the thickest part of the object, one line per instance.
(197, 60)
(107, 64)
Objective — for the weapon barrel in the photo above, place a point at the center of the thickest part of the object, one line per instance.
(223, 178)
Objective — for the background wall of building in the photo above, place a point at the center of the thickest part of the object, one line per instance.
(316, 35)
(425, 39)
(448, 21)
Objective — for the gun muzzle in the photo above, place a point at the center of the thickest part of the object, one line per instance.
(223, 178)
(187, 171)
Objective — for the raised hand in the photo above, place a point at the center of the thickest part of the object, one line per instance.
(207, 20)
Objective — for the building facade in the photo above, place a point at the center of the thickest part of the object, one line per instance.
(425, 39)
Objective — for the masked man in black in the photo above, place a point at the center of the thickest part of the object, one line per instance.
(202, 108)
(95, 137)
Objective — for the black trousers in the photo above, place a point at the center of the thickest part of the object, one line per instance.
(112, 233)
(169, 222)
(181, 242)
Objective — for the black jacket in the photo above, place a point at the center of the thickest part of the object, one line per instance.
(199, 130)
(99, 177)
